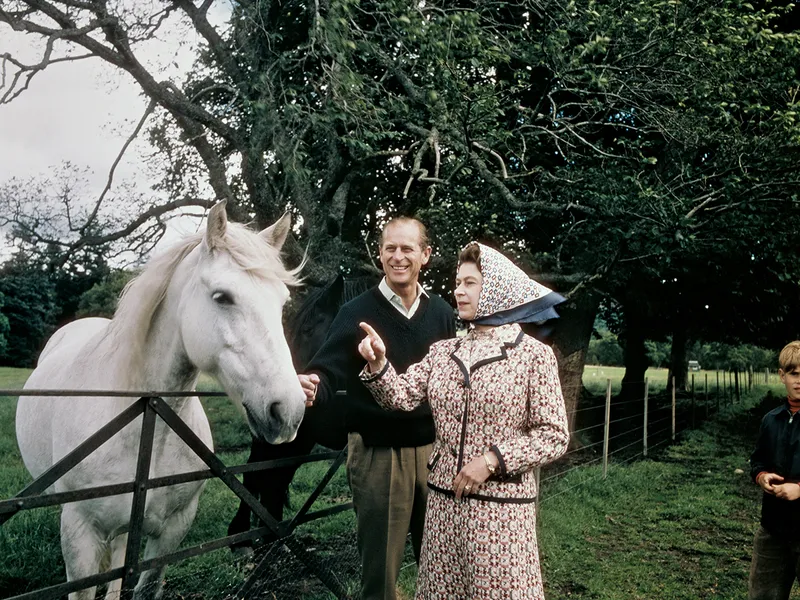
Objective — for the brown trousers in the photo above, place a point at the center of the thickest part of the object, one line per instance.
(775, 567)
(390, 490)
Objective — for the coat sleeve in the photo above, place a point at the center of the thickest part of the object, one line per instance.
(546, 434)
(760, 459)
(400, 392)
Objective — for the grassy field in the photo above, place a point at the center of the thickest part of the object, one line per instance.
(678, 525)
(595, 378)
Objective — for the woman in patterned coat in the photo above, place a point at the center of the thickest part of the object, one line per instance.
(499, 413)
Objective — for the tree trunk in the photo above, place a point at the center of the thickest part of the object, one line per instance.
(570, 342)
(678, 367)
(635, 352)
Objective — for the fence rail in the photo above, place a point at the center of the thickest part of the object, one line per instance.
(149, 406)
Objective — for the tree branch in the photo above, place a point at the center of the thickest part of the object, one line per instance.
(148, 111)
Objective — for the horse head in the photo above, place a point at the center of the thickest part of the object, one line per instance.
(230, 322)
(309, 326)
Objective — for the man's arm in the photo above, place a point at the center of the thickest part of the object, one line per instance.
(334, 362)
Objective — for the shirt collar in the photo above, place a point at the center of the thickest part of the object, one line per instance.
(397, 301)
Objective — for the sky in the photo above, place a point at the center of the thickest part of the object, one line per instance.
(83, 112)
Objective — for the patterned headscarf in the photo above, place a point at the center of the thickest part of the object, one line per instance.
(508, 295)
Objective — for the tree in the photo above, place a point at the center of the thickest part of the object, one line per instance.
(31, 310)
(101, 299)
(605, 350)
(606, 146)
(4, 327)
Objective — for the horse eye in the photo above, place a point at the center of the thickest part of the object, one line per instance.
(222, 298)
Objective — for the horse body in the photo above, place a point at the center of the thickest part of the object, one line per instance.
(213, 304)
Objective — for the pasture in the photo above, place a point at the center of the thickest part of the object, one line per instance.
(677, 527)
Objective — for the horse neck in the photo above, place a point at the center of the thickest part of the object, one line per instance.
(165, 366)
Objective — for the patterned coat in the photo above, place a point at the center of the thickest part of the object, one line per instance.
(496, 389)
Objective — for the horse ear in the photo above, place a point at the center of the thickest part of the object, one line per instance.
(216, 225)
(276, 233)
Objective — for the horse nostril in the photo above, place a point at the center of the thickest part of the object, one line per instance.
(274, 411)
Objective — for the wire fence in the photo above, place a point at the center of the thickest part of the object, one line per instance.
(624, 429)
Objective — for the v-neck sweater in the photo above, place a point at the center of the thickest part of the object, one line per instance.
(338, 364)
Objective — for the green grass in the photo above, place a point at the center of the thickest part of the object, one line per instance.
(595, 379)
(676, 526)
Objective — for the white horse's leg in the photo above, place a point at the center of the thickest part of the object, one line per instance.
(118, 546)
(82, 548)
(151, 583)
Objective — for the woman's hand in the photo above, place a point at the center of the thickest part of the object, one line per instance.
(372, 349)
(473, 474)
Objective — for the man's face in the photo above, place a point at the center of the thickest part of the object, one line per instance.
(791, 379)
(401, 254)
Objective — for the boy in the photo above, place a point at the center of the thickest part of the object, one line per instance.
(775, 467)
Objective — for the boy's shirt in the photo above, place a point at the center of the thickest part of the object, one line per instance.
(778, 451)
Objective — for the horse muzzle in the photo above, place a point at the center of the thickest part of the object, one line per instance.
(279, 422)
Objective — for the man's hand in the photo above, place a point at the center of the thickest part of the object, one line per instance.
(372, 349)
(768, 481)
(309, 384)
(787, 491)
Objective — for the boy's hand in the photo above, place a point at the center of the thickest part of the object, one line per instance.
(787, 491)
(768, 481)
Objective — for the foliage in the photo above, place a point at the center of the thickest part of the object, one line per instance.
(101, 299)
(590, 133)
(4, 326)
(31, 310)
(657, 353)
(605, 350)
(644, 150)
(723, 356)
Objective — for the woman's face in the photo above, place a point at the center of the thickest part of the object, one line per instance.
(468, 289)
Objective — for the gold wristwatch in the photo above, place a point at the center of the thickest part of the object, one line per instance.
(489, 465)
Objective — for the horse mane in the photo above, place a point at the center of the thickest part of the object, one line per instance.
(143, 295)
(352, 288)
(355, 286)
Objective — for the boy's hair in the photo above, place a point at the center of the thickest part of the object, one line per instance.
(789, 358)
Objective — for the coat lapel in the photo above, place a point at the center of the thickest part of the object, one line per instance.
(475, 353)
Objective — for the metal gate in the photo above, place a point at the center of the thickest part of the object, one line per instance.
(150, 405)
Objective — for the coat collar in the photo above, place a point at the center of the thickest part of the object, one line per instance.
(481, 348)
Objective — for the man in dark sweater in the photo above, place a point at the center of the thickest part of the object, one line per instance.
(387, 451)
(775, 467)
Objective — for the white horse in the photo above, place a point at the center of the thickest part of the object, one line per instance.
(212, 303)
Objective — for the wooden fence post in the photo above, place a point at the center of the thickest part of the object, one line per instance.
(717, 391)
(693, 402)
(606, 428)
(705, 393)
(644, 436)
